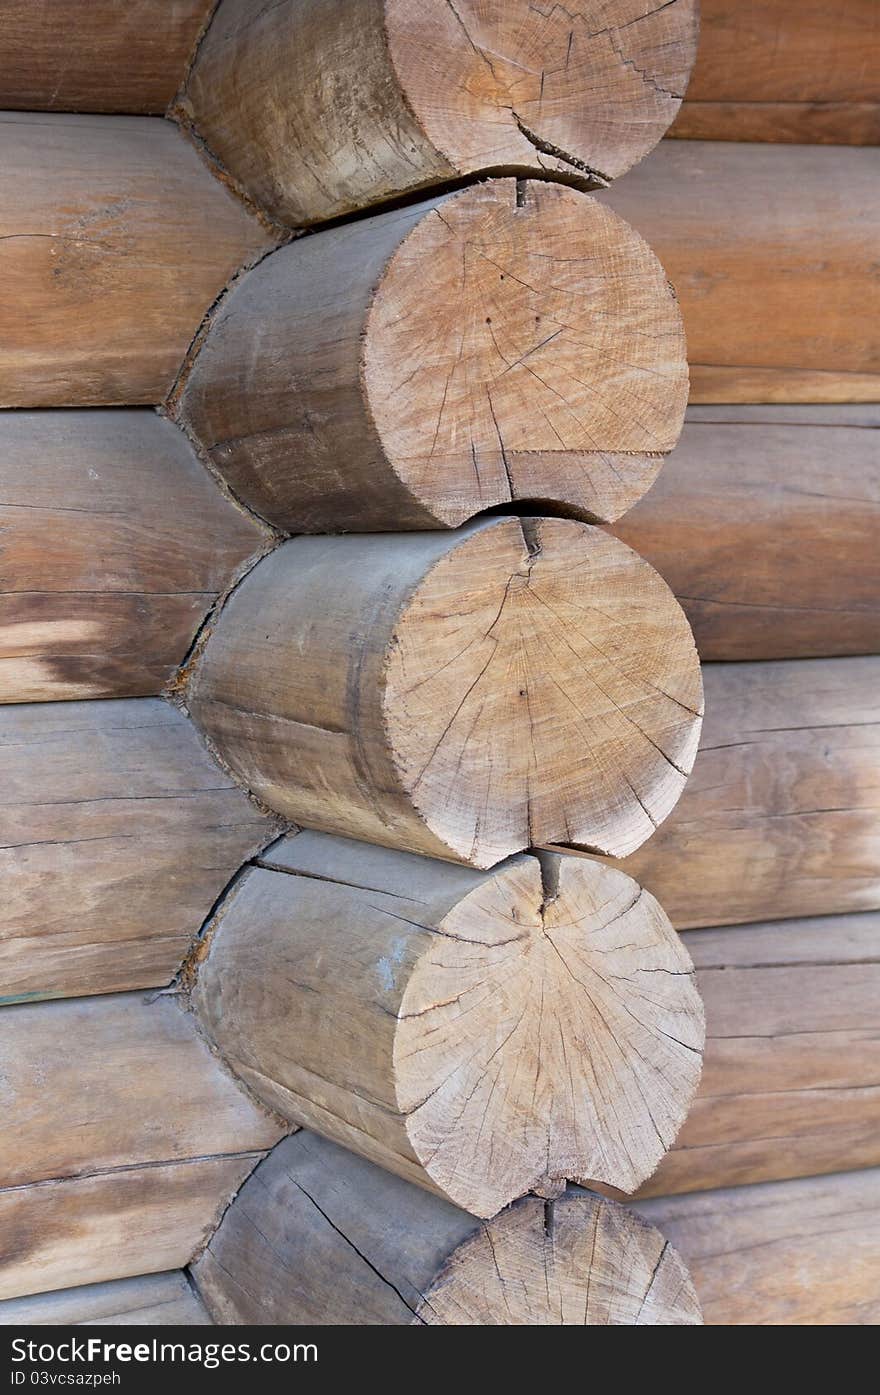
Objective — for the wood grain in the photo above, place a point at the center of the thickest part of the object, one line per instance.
(152, 1300)
(118, 832)
(765, 524)
(116, 544)
(780, 293)
(785, 70)
(114, 241)
(104, 55)
(320, 1236)
(462, 694)
(781, 1254)
(321, 107)
(510, 342)
(780, 816)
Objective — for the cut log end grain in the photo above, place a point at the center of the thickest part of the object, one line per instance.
(512, 342)
(465, 695)
(324, 107)
(484, 1035)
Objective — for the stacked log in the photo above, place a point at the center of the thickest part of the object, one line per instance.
(151, 1300)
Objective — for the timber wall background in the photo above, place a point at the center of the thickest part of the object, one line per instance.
(126, 533)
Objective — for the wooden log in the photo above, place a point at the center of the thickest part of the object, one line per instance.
(116, 544)
(323, 107)
(105, 55)
(152, 1300)
(764, 521)
(114, 241)
(321, 1236)
(112, 1225)
(804, 1253)
(789, 1085)
(384, 1001)
(117, 834)
(112, 1069)
(464, 695)
(780, 293)
(513, 341)
(785, 70)
(780, 817)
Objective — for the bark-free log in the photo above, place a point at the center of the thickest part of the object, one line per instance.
(153, 1300)
(319, 107)
(116, 543)
(117, 833)
(513, 341)
(483, 1034)
(320, 1236)
(781, 816)
(114, 240)
(785, 70)
(765, 521)
(464, 695)
(101, 55)
(789, 1085)
(783, 1253)
(780, 293)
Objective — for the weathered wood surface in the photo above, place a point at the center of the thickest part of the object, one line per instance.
(320, 107)
(116, 543)
(764, 521)
(97, 55)
(118, 832)
(512, 341)
(781, 816)
(112, 1225)
(780, 293)
(114, 241)
(464, 695)
(133, 1082)
(792, 1063)
(152, 1300)
(320, 1236)
(802, 1253)
(482, 1034)
(785, 70)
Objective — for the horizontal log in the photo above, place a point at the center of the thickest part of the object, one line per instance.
(789, 1085)
(112, 1225)
(785, 70)
(384, 1001)
(105, 1066)
(513, 341)
(116, 544)
(114, 241)
(117, 834)
(780, 816)
(765, 524)
(153, 1300)
(320, 1236)
(106, 55)
(464, 695)
(782, 1254)
(779, 293)
(323, 107)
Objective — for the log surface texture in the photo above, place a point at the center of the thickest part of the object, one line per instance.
(464, 695)
(780, 292)
(765, 523)
(785, 70)
(780, 816)
(117, 834)
(514, 341)
(114, 241)
(483, 1034)
(321, 107)
(116, 544)
(151, 1300)
(97, 55)
(320, 1236)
